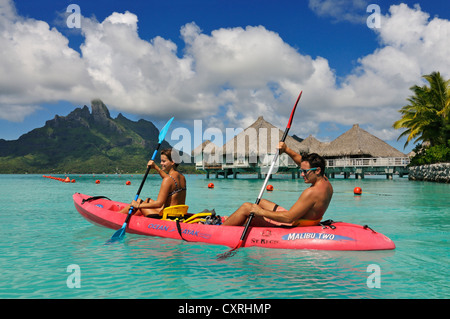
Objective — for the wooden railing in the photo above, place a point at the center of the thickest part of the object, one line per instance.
(368, 162)
(330, 163)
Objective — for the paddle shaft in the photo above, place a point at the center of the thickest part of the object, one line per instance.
(142, 185)
(286, 131)
(271, 168)
(250, 217)
(121, 232)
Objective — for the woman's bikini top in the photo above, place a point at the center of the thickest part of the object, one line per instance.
(177, 189)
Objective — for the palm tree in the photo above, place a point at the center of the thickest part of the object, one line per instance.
(426, 117)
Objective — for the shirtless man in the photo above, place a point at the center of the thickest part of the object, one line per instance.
(306, 211)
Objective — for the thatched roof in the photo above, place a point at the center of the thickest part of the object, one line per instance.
(257, 140)
(313, 145)
(206, 147)
(358, 142)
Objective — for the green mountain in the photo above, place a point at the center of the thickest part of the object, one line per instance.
(82, 142)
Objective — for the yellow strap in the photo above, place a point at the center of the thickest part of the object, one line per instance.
(197, 216)
(197, 220)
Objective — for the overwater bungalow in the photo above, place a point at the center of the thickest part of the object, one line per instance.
(204, 156)
(359, 152)
(254, 149)
(354, 152)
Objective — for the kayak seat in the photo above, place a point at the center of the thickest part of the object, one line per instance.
(116, 208)
(176, 211)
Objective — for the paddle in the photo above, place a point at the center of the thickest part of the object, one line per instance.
(119, 234)
(232, 252)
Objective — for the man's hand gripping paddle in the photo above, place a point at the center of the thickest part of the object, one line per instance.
(233, 251)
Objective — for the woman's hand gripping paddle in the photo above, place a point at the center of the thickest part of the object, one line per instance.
(120, 234)
(233, 251)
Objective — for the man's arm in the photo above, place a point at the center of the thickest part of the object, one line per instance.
(292, 154)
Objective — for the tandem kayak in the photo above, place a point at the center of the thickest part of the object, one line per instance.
(331, 236)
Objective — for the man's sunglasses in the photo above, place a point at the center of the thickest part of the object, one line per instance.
(305, 171)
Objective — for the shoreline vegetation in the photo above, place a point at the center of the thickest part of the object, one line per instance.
(426, 119)
(183, 168)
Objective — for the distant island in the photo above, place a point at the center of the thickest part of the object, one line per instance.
(83, 142)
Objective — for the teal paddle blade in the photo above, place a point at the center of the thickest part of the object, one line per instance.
(164, 130)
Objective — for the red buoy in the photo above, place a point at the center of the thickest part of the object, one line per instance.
(269, 188)
(210, 185)
(128, 183)
(97, 181)
(357, 191)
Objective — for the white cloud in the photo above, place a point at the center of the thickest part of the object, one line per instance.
(239, 73)
(36, 65)
(412, 46)
(353, 11)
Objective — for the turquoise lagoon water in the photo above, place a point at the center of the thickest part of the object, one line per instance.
(43, 236)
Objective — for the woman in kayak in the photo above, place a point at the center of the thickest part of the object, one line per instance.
(172, 191)
(306, 211)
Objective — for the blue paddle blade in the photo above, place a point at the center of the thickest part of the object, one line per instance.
(118, 235)
(164, 130)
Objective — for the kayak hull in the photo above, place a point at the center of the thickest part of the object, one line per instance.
(343, 236)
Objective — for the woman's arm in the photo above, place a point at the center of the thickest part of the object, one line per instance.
(162, 196)
(153, 165)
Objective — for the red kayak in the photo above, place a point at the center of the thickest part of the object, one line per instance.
(330, 236)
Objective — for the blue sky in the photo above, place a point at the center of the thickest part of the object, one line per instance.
(222, 62)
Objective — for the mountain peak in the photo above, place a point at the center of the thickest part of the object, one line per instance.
(82, 142)
(100, 112)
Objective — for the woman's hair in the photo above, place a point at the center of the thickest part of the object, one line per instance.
(168, 153)
(315, 160)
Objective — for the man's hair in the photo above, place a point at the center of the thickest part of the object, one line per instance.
(315, 160)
